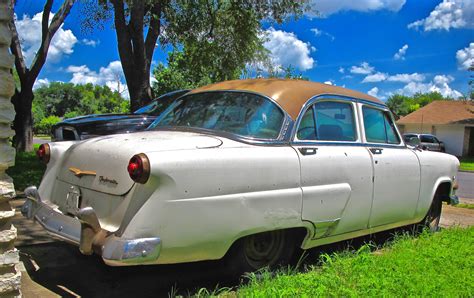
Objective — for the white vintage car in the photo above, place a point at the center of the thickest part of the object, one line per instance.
(247, 169)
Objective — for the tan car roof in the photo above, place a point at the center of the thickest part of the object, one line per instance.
(290, 94)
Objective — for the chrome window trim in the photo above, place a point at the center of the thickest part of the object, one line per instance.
(285, 128)
(401, 144)
(327, 97)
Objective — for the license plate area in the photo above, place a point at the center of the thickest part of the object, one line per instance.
(73, 200)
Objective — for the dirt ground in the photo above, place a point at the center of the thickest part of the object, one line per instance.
(53, 268)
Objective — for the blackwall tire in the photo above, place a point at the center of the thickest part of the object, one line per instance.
(269, 249)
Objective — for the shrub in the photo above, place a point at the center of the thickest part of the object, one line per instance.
(45, 125)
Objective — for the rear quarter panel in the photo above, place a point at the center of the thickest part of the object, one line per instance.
(200, 201)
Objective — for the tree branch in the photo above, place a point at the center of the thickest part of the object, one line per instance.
(48, 34)
(15, 47)
(137, 14)
(153, 31)
(123, 39)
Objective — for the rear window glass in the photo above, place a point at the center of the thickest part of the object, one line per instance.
(379, 127)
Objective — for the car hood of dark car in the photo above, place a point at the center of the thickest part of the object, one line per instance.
(102, 117)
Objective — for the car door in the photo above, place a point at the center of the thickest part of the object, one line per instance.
(336, 171)
(396, 169)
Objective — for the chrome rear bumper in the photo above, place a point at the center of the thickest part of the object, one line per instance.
(84, 230)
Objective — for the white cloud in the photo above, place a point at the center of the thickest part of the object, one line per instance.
(319, 32)
(364, 68)
(400, 55)
(90, 42)
(376, 77)
(465, 57)
(440, 83)
(341, 69)
(286, 49)
(373, 92)
(327, 7)
(316, 31)
(111, 76)
(29, 31)
(330, 83)
(405, 77)
(448, 14)
(40, 83)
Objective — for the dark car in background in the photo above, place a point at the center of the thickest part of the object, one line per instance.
(89, 126)
(426, 141)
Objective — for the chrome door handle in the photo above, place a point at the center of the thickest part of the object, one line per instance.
(376, 150)
(308, 150)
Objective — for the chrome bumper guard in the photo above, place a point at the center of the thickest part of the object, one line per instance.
(84, 230)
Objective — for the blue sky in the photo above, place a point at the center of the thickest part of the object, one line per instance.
(380, 47)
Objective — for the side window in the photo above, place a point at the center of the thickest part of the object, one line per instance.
(328, 121)
(379, 127)
(427, 139)
(307, 128)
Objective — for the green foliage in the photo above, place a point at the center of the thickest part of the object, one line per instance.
(437, 264)
(68, 100)
(28, 170)
(402, 105)
(467, 164)
(45, 125)
(466, 206)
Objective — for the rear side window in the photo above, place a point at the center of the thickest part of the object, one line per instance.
(427, 139)
(328, 121)
(379, 127)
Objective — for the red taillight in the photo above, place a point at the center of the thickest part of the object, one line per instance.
(139, 168)
(44, 153)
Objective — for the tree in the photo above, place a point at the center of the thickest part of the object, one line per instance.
(471, 82)
(402, 105)
(232, 27)
(23, 97)
(68, 100)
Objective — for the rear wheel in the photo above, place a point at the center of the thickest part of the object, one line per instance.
(268, 249)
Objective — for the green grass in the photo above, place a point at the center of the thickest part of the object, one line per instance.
(467, 206)
(440, 264)
(27, 171)
(43, 137)
(467, 164)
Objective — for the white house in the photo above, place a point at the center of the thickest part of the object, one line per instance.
(450, 121)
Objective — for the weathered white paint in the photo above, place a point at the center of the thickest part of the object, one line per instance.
(206, 192)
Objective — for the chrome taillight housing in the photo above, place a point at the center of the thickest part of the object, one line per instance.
(44, 153)
(139, 168)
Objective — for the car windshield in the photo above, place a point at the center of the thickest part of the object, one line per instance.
(160, 104)
(240, 113)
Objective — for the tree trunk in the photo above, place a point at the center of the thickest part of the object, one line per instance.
(139, 90)
(23, 123)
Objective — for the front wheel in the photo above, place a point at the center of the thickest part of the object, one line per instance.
(433, 217)
(268, 249)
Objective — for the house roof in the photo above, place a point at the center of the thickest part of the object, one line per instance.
(290, 94)
(442, 112)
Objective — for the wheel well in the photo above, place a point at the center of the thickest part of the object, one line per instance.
(443, 191)
(298, 234)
